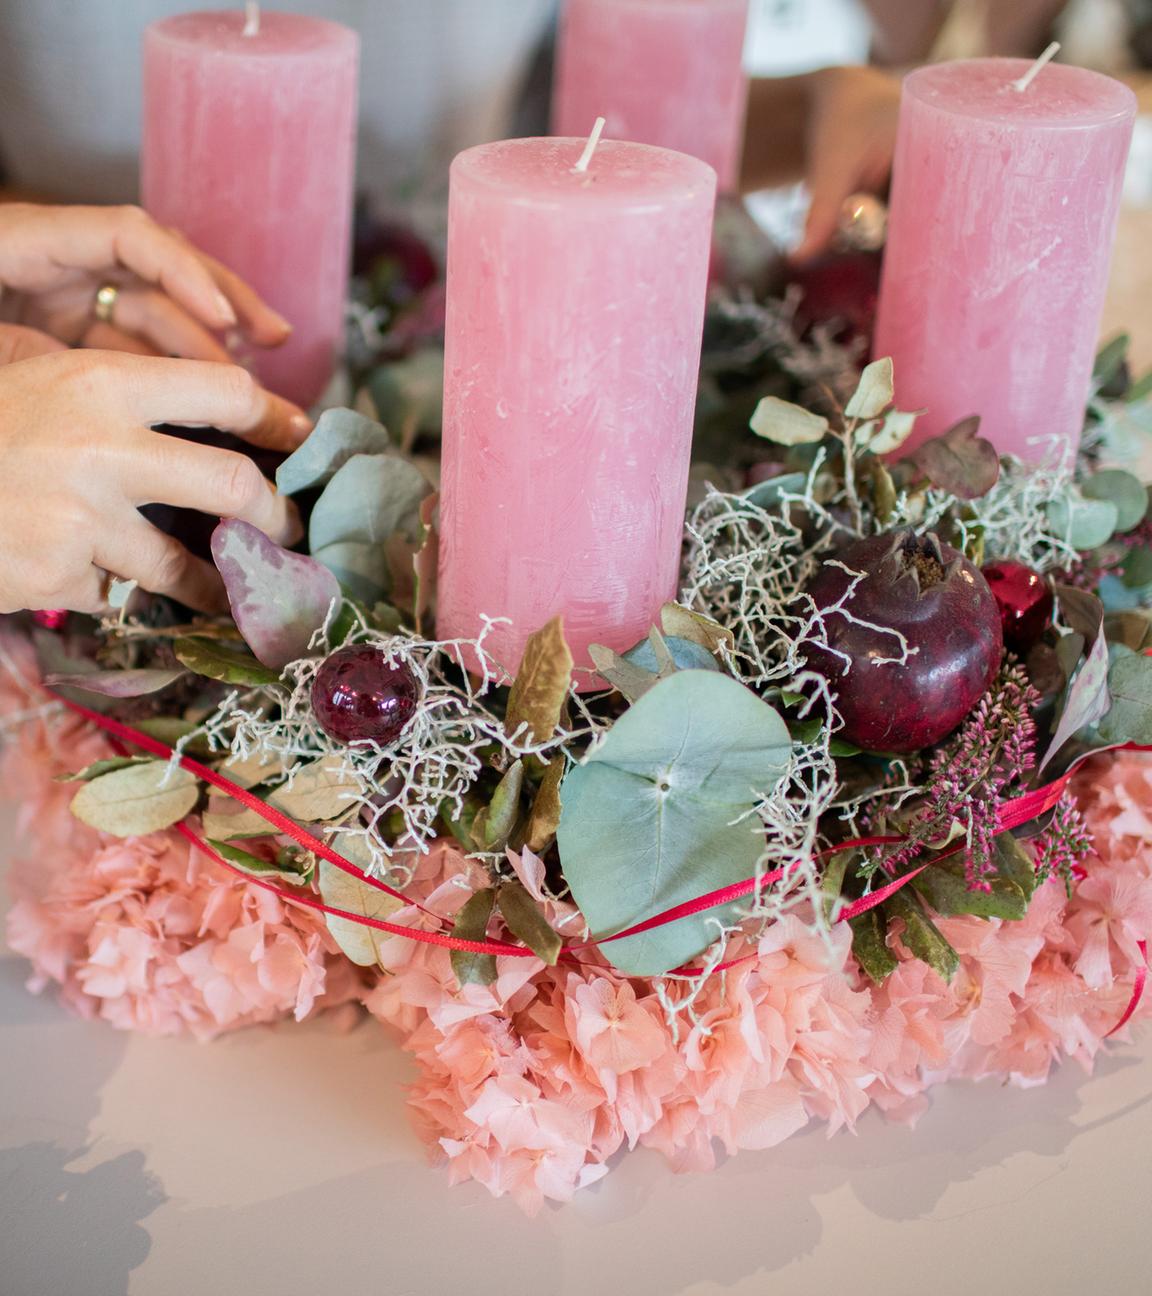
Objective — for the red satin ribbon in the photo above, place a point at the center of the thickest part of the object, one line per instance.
(1011, 814)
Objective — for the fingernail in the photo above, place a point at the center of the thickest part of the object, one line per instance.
(282, 323)
(301, 424)
(224, 311)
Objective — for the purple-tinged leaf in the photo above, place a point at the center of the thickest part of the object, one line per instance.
(279, 599)
(117, 683)
(960, 461)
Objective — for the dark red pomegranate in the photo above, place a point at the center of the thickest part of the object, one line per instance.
(943, 607)
(1025, 601)
(359, 696)
(839, 288)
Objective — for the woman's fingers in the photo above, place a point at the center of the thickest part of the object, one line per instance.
(259, 321)
(166, 327)
(20, 343)
(107, 337)
(222, 483)
(200, 393)
(161, 565)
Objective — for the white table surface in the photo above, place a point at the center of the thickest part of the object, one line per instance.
(280, 1161)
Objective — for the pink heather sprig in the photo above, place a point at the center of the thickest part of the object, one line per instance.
(968, 776)
(1063, 845)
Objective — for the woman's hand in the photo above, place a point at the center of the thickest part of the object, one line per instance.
(851, 137)
(172, 299)
(79, 456)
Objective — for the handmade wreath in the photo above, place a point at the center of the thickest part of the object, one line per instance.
(824, 837)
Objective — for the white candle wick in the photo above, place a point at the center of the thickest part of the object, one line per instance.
(590, 147)
(1034, 71)
(251, 18)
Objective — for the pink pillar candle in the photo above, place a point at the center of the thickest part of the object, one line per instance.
(664, 72)
(575, 310)
(249, 148)
(1003, 215)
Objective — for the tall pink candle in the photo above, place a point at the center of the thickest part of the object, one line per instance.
(1003, 215)
(249, 149)
(575, 309)
(664, 72)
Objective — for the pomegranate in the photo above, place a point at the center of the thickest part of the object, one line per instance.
(942, 606)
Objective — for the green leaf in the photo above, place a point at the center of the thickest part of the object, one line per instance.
(942, 884)
(883, 491)
(1137, 568)
(370, 498)
(320, 791)
(137, 800)
(1015, 865)
(527, 923)
(767, 494)
(683, 654)
(874, 392)
(870, 948)
(540, 690)
(339, 435)
(832, 881)
(1080, 522)
(660, 811)
(1123, 490)
(496, 822)
(117, 683)
(409, 394)
(1130, 717)
(1086, 700)
(472, 925)
(287, 865)
(106, 766)
(787, 424)
(544, 817)
(343, 891)
(362, 569)
(1109, 359)
(170, 730)
(217, 661)
(959, 461)
(922, 936)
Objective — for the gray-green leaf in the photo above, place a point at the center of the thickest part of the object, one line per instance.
(338, 436)
(471, 924)
(137, 799)
(527, 923)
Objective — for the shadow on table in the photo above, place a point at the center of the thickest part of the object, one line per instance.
(66, 1226)
(401, 1229)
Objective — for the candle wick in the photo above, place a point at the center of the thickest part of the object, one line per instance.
(251, 18)
(590, 147)
(1034, 71)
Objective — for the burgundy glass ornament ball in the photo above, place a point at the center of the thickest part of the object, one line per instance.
(1025, 601)
(359, 696)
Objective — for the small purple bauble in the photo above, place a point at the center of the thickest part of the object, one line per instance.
(359, 696)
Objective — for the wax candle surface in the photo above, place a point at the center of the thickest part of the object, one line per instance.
(1003, 214)
(249, 148)
(575, 309)
(664, 72)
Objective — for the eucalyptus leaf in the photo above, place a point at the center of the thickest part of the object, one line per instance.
(1109, 360)
(883, 492)
(106, 766)
(1130, 717)
(684, 654)
(137, 799)
(1123, 490)
(1081, 522)
(526, 922)
(832, 882)
(278, 599)
(472, 925)
(889, 433)
(219, 661)
(117, 683)
(873, 393)
(540, 690)
(409, 394)
(343, 891)
(339, 435)
(960, 461)
(680, 622)
(1138, 568)
(1080, 610)
(631, 681)
(660, 811)
(787, 424)
(362, 569)
(370, 498)
(768, 494)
